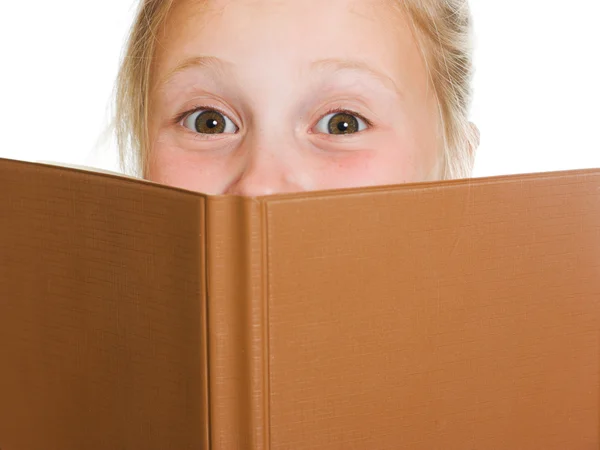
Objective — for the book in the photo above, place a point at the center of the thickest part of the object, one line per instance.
(451, 315)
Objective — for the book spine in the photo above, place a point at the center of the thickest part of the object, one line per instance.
(237, 341)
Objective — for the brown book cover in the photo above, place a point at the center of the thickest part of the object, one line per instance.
(452, 316)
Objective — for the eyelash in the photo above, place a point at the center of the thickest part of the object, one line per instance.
(197, 108)
(179, 118)
(349, 112)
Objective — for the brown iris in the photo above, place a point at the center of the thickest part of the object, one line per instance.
(210, 122)
(343, 123)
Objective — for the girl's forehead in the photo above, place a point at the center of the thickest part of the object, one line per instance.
(195, 11)
(282, 38)
(296, 24)
(267, 61)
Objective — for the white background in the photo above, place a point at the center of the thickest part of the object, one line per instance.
(537, 83)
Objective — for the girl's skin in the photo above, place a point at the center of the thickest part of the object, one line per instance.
(257, 97)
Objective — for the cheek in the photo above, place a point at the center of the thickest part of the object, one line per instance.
(390, 161)
(393, 163)
(173, 167)
(381, 166)
(391, 158)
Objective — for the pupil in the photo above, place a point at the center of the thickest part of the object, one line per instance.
(343, 126)
(211, 123)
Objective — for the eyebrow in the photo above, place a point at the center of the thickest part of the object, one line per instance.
(340, 65)
(211, 63)
(220, 66)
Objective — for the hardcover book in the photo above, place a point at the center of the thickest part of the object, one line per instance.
(451, 315)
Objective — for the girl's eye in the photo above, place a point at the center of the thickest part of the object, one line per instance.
(340, 123)
(208, 121)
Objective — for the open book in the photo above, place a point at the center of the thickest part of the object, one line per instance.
(454, 315)
(86, 168)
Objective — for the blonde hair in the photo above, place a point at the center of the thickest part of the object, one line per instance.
(442, 29)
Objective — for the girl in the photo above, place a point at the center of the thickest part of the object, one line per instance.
(258, 97)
